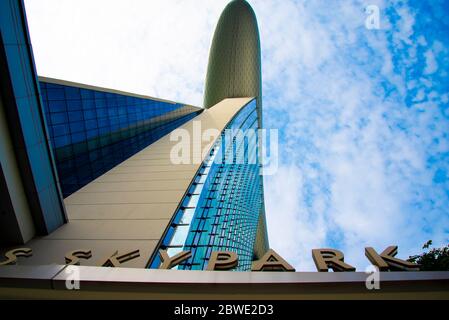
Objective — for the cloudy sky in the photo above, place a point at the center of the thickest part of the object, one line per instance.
(363, 114)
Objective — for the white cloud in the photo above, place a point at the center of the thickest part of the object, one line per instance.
(290, 220)
(355, 154)
(361, 153)
(431, 63)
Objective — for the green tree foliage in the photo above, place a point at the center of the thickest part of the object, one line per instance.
(436, 259)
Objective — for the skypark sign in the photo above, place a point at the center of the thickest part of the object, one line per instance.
(324, 260)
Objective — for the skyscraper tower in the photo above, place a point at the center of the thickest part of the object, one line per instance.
(229, 214)
(114, 186)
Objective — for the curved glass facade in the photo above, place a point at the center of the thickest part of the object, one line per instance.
(221, 210)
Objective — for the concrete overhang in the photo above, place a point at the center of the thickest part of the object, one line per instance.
(49, 282)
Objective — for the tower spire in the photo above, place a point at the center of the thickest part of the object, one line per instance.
(234, 68)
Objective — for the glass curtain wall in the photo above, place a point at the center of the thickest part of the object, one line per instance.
(93, 131)
(220, 212)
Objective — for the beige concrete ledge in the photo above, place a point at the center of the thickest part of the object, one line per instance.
(122, 283)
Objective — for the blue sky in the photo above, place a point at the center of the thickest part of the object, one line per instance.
(363, 114)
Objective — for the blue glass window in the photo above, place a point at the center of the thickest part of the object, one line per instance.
(222, 207)
(93, 131)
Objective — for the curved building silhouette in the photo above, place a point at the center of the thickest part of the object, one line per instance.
(230, 213)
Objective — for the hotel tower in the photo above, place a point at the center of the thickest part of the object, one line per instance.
(89, 168)
(110, 194)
